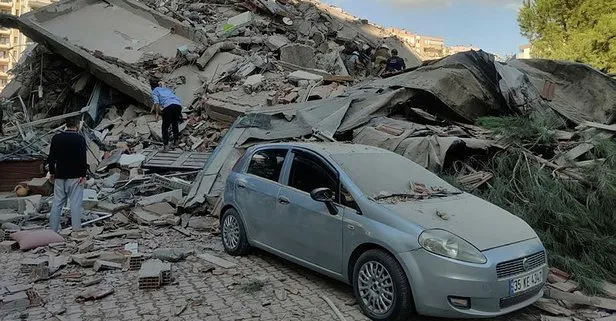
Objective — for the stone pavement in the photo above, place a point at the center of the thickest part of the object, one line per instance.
(260, 287)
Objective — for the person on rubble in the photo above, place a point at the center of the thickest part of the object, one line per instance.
(353, 64)
(68, 168)
(395, 63)
(379, 59)
(165, 101)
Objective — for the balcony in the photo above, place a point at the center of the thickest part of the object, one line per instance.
(5, 31)
(37, 4)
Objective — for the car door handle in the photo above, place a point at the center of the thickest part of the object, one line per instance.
(283, 200)
(241, 183)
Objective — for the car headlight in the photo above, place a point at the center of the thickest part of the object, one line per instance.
(446, 244)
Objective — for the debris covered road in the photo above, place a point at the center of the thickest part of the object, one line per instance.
(260, 287)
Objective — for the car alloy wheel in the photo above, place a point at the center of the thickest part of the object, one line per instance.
(376, 287)
(381, 287)
(231, 232)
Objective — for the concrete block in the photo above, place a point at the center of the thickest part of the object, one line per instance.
(23, 205)
(18, 288)
(298, 54)
(276, 42)
(28, 265)
(105, 265)
(40, 186)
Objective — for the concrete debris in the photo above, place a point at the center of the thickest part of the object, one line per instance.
(233, 25)
(216, 260)
(170, 254)
(94, 294)
(299, 75)
(298, 54)
(105, 265)
(154, 273)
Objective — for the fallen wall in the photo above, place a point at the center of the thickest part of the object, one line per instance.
(57, 27)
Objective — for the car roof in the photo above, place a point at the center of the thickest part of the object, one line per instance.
(330, 148)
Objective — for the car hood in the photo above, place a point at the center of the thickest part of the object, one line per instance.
(479, 222)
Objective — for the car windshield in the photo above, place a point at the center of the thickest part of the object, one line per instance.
(382, 175)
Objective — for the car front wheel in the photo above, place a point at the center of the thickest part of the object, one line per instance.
(233, 233)
(381, 287)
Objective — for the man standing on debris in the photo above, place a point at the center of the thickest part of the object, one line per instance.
(395, 63)
(164, 99)
(68, 167)
(380, 59)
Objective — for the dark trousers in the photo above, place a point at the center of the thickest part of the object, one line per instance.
(172, 115)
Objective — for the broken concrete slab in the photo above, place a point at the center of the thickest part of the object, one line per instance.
(212, 51)
(275, 42)
(40, 186)
(15, 302)
(11, 217)
(298, 54)
(8, 246)
(233, 25)
(93, 294)
(173, 197)
(202, 222)
(61, 27)
(24, 205)
(131, 234)
(161, 209)
(105, 265)
(85, 246)
(299, 75)
(216, 260)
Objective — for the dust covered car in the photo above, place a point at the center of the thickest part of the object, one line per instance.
(406, 240)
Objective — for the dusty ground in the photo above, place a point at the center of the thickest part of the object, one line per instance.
(261, 287)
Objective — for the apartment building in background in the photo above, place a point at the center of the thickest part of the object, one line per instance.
(525, 52)
(457, 49)
(426, 46)
(12, 42)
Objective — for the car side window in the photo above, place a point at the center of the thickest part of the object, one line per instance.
(308, 172)
(267, 163)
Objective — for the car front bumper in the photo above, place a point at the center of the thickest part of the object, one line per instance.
(435, 278)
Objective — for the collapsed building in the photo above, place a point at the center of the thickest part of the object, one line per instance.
(252, 71)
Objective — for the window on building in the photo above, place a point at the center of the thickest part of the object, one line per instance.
(3, 82)
(267, 163)
(5, 11)
(4, 39)
(5, 68)
(4, 54)
(15, 40)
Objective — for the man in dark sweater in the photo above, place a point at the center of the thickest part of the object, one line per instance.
(68, 167)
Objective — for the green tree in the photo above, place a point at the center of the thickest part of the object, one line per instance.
(580, 30)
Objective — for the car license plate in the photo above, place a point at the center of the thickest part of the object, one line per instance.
(526, 282)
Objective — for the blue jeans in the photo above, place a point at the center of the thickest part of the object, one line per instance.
(63, 190)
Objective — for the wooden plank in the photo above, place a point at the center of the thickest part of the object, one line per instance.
(611, 128)
(216, 260)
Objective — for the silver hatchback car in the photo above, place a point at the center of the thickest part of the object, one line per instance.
(407, 241)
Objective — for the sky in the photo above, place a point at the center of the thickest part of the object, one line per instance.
(488, 24)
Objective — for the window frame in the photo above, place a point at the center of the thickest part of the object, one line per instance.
(324, 162)
(244, 170)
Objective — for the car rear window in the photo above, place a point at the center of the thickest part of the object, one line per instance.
(267, 163)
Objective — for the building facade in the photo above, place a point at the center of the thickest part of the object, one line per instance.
(426, 46)
(525, 52)
(457, 49)
(12, 42)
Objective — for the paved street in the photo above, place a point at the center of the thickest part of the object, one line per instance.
(261, 287)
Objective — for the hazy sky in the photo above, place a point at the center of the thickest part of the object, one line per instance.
(488, 24)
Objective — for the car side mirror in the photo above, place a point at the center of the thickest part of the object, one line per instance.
(325, 195)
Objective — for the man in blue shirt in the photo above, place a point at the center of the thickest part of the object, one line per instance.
(164, 99)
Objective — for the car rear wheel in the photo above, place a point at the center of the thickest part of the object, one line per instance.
(381, 287)
(234, 234)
